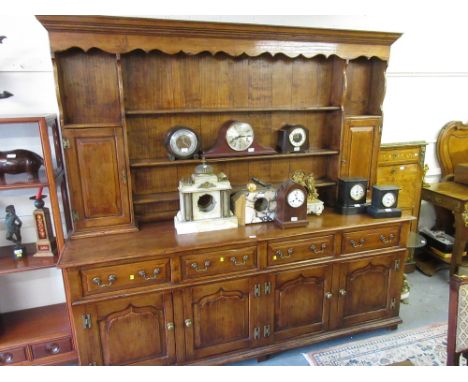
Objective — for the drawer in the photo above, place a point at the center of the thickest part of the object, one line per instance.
(103, 279)
(54, 347)
(219, 262)
(12, 356)
(409, 154)
(290, 251)
(366, 240)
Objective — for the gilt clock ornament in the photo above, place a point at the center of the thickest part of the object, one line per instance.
(291, 205)
(182, 143)
(204, 202)
(384, 202)
(293, 139)
(351, 196)
(236, 138)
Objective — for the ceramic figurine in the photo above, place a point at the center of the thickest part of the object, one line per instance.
(13, 227)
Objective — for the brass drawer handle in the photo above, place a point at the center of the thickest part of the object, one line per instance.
(279, 253)
(188, 323)
(244, 260)
(315, 250)
(53, 348)
(357, 244)
(384, 240)
(206, 264)
(111, 279)
(6, 357)
(156, 273)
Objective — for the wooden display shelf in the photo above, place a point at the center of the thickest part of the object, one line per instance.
(166, 162)
(90, 125)
(174, 196)
(232, 110)
(32, 325)
(28, 263)
(19, 181)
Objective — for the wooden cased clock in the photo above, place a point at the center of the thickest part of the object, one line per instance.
(351, 196)
(182, 143)
(291, 205)
(236, 138)
(293, 139)
(384, 202)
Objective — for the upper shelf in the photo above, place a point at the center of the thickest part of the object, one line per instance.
(231, 110)
(23, 181)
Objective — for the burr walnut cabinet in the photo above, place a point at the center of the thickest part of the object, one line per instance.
(148, 296)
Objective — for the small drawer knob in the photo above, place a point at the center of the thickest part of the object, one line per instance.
(328, 295)
(343, 292)
(188, 323)
(53, 348)
(170, 326)
(6, 357)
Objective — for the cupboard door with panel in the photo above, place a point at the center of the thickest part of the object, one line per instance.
(220, 317)
(360, 147)
(98, 177)
(302, 301)
(130, 331)
(369, 289)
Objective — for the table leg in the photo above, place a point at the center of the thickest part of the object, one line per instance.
(459, 246)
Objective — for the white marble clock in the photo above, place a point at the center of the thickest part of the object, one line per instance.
(204, 202)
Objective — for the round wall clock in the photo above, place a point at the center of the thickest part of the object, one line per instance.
(182, 143)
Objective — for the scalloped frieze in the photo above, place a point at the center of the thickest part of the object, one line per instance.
(120, 44)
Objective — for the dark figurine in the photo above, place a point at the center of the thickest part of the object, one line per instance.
(13, 230)
(19, 161)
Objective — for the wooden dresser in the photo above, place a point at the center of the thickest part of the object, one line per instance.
(154, 297)
(402, 164)
(147, 296)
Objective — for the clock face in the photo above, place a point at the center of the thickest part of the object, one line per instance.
(183, 143)
(388, 199)
(357, 192)
(297, 136)
(296, 198)
(239, 136)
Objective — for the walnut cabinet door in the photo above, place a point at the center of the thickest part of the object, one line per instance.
(221, 317)
(98, 177)
(360, 148)
(369, 289)
(130, 331)
(302, 301)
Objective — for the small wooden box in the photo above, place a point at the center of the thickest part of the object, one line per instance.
(461, 173)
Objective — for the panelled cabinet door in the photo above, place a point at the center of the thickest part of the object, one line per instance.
(219, 318)
(98, 177)
(369, 289)
(132, 331)
(360, 148)
(302, 301)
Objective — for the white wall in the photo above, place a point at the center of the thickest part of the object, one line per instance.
(426, 88)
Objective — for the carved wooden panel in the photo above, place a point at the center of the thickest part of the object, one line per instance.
(218, 318)
(301, 303)
(134, 330)
(369, 288)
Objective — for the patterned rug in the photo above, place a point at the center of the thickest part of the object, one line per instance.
(426, 346)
